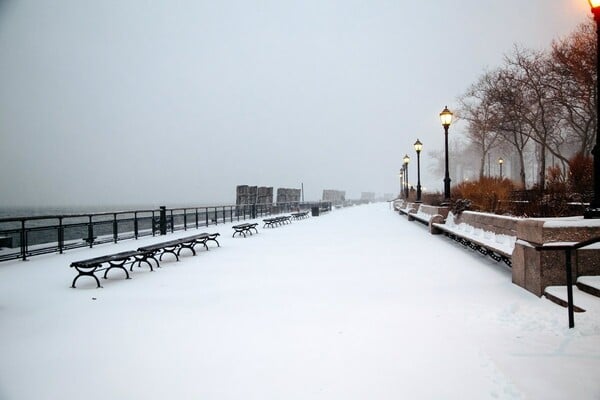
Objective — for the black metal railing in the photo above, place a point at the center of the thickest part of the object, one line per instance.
(569, 249)
(23, 237)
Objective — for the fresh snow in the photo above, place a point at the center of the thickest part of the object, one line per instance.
(593, 281)
(581, 299)
(504, 243)
(355, 304)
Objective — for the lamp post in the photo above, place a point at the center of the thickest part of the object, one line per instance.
(406, 161)
(401, 176)
(593, 211)
(418, 147)
(446, 117)
(500, 162)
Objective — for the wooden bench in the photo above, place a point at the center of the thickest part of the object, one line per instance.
(300, 215)
(176, 246)
(245, 228)
(90, 266)
(276, 221)
(143, 254)
(487, 249)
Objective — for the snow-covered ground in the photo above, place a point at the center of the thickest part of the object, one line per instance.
(354, 304)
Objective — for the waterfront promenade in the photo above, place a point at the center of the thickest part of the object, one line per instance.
(354, 304)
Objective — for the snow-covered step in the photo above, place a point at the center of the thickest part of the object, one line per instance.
(589, 284)
(582, 301)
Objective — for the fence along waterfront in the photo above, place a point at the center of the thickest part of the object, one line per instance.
(23, 237)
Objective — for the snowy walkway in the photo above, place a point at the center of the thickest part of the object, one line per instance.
(318, 309)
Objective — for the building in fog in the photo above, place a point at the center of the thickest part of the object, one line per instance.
(246, 195)
(264, 195)
(285, 195)
(367, 196)
(334, 196)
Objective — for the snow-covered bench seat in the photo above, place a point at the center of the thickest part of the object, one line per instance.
(245, 228)
(276, 221)
(484, 247)
(90, 266)
(488, 234)
(300, 215)
(176, 245)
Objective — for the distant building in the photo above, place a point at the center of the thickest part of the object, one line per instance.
(334, 196)
(264, 195)
(285, 195)
(246, 195)
(367, 196)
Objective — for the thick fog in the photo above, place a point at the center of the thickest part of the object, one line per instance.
(177, 102)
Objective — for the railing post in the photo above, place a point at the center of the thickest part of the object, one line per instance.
(61, 235)
(115, 228)
(90, 232)
(224, 217)
(216, 216)
(206, 215)
(135, 225)
(196, 218)
(570, 289)
(163, 220)
(185, 219)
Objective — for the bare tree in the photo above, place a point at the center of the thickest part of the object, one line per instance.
(573, 84)
(476, 109)
(538, 114)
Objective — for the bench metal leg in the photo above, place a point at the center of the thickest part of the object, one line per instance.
(86, 273)
(171, 250)
(117, 265)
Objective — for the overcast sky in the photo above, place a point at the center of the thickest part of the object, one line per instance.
(177, 102)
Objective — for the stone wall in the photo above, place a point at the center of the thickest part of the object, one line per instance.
(535, 270)
(498, 224)
(532, 269)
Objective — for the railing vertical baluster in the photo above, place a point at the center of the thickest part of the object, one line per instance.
(206, 213)
(172, 222)
(135, 225)
(224, 217)
(61, 235)
(115, 228)
(196, 218)
(185, 219)
(216, 216)
(153, 223)
(23, 237)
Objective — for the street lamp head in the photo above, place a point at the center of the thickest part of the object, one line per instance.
(500, 161)
(406, 159)
(418, 146)
(446, 117)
